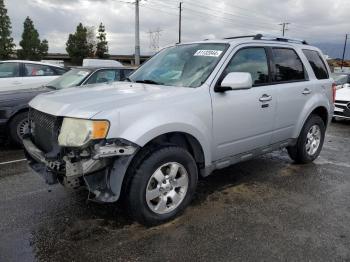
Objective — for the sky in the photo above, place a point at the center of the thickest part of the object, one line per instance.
(323, 23)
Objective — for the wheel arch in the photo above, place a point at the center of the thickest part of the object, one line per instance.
(315, 106)
(15, 113)
(181, 139)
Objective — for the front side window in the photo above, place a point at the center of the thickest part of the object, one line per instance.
(253, 61)
(288, 65)
(187, 65)
(9, 70)
(103, 76)
(74, 77)
(316, 63)
(38, 70)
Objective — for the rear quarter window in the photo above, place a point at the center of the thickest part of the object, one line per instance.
(288, 66)
(317, 64)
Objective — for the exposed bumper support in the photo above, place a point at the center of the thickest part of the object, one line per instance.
(103, 172)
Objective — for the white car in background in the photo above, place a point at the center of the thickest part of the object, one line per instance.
(342, 98)
(21, 74)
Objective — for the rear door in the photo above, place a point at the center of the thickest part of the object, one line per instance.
(36, 75)
(293, 90)
(243, 119)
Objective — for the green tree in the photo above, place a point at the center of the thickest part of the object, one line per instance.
(102, 44)
(77, 45)
(32, 47)
(6, 41)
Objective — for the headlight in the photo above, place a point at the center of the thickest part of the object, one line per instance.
(77, 132)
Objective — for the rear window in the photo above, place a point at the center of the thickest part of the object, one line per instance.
(316, 63)
(288, 66)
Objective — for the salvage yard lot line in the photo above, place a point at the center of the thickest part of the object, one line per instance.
(13, 161)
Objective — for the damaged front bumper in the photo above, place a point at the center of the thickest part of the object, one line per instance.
(101, 168)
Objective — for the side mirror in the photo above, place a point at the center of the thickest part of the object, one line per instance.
(235, 81)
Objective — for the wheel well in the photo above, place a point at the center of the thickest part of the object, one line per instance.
(23, 110)
(180, 139)
(321, 112)
(183, 140)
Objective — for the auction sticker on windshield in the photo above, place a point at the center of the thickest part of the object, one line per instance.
(83, 73)
(214, 53)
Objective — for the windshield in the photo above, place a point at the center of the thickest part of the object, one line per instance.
(72, 78)
(183, 65)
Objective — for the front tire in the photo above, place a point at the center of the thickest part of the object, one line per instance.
(310, 141)
(162, 184)
(18, 127)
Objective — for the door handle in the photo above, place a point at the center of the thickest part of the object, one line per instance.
(265, 98)
(16, 83)
(306, 91)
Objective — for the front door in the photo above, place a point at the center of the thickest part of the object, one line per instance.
(243, 119)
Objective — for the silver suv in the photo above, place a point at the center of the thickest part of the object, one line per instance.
(189, 110)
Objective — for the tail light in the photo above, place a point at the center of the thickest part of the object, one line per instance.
(334, 89)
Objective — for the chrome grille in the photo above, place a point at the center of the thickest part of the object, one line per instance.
(43, 128)
(342, 108)
(41, 119)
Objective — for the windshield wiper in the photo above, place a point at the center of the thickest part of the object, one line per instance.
(149, 81)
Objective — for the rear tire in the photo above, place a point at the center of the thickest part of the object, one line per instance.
(310, 141)
(163, 182)
(18, 127)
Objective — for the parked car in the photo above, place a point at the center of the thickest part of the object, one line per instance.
(22, 74)
(191, 109)
(14, 104)
(342, 103)
(341, 80)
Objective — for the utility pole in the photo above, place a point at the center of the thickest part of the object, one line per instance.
(180, 11)
(284, 27)
(342, 60)
(137, 34)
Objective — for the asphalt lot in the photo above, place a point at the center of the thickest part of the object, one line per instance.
(267, 209)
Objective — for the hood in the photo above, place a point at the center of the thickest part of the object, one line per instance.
(343, 94)
(85, 102)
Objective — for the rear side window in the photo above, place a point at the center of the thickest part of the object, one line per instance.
(38, 70)
(9, 70)
(316, 63)
(251, 60)
(288, 66)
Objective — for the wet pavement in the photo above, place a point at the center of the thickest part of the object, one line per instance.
(266, 209)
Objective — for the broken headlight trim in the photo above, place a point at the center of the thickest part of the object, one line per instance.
(78, 132)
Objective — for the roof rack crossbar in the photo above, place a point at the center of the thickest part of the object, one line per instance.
(242, 36)
(277, 38)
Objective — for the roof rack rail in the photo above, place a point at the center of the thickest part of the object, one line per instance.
(242, 36)
(281, 39)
